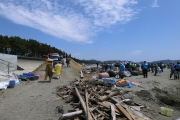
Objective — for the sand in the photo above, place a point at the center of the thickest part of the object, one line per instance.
(37, 100)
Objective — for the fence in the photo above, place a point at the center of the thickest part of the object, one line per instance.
(8, 62)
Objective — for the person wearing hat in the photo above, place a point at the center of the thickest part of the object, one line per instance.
(49, 70)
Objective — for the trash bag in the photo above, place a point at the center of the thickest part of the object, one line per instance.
(127, 73)
(135, 72)
(111, 73)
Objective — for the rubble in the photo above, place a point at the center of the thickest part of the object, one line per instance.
(97, 100)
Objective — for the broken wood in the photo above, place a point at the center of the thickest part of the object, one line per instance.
(107, 106)
(71, 115)
(124, 111)
(103, 98)
(112, 111)
(89, 117)
(81, 100)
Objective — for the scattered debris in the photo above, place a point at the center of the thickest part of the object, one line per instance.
(97, 100)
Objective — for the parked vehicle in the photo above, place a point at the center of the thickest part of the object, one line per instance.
(55, 57)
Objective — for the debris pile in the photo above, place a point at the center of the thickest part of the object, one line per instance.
(97, 100)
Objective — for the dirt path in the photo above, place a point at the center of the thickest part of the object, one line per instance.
(35, 100)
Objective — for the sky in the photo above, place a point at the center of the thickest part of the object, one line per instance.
(130, 30)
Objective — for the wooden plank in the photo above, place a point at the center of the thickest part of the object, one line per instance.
(124, 111)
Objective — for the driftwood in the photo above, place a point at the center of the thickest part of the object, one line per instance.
(107, 106)
(71, 115)
(81, 100)
(93, 97)
(112, 110)
(89, 117)
(103, 98)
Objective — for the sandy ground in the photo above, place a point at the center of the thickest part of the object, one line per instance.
(36, 100)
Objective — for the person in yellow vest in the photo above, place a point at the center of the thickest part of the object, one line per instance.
(58, 68)
(49, 70)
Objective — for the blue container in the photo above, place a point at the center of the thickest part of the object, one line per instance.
(109, 80)
(11, 84)
(23, 77)
(29, 74)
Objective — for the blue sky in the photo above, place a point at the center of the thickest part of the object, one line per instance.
(134, 30)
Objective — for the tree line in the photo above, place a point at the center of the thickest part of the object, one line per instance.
(31, 48)
(15, 45)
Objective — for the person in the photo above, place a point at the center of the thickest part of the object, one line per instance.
(49, 70)
(155, 69)
(62, 61)
(121, 71)
(58, 68)
(132, 65)
(145, 68)
(106, 66)
(110, 65)
(128, 67)
(152, 67)
(172, 69)
(177, 71)
(161, 66)
(97, 64)
(103, 66)
(68, 62)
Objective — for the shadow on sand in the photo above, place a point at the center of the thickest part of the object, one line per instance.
(44, 81)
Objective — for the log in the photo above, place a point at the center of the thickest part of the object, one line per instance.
(71, 115)
(89, 117)
(103, 98)
(81, 100)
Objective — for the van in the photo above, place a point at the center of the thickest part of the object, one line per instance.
(55, 57)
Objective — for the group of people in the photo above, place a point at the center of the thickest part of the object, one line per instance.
(145, 67)
(175, 69)
(128, 66)
(53, 69)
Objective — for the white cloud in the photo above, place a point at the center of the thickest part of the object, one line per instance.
(136, 52)
(155, 4)
(73, 20)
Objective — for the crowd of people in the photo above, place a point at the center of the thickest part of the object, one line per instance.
(121, 66)
(145, 68)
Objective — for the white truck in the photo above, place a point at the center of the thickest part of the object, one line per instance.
(55, 57)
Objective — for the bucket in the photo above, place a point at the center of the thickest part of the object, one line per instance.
(11, 84)
(166, 111)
